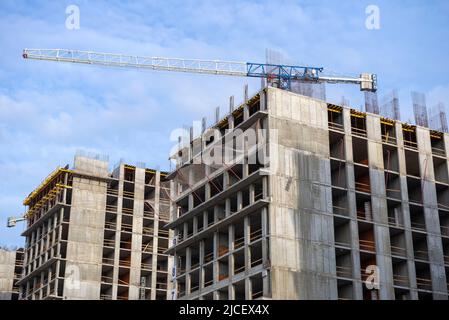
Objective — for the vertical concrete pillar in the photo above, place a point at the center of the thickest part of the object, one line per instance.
(429, 197)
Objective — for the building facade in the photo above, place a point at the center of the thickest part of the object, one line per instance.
(339, 205)
(11, 262)
(93, 234)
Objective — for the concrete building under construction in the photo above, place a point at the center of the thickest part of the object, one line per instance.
(338, 198)
(93, 234)
(11, 262)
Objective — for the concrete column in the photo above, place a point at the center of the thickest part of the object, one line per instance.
(190, 199)
(207, 188)
(215, 262)
(201, 257)
(406, 213)
(195, 224)
(157, 196)
(188, 267)
(248, 289)
(227, 207)
(251, 194)
(247, 234)
(239, 201)
(231, 238)
(115, 272)
(225, 180)
(429, 197)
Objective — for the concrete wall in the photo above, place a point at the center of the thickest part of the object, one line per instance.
(85, 239)
(7, 265)
(300, 216)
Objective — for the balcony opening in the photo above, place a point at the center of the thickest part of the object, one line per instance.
(392, 185)
(181, 284)
(401, 294)
(210, 217)
(245, 197)
(194, 281)
(239, 236)
(129, 173)
(360, 151)
(223, 293)
(234, 204)
(199, 195)
(412, 163)
(223, 268)
(442, 196)
(342, 232)
(440, 168)
(358, 123)
(409, 136)
(417, 218)
(200, 222)
(335, 117)
(256, 287)
(183, 206)
(208, 275)
(437, 143)
(255, 222)
(216, 186)
(420, 249)
(444, 222)
(256, 254)
(239, 290)
(208, 250)
(397, 242)
(340, 202)
(414, 190)
(400, 272)
(388, 131)
(391, 159)
(258, 190)
(337, 145)
(223, 243)
(395, 216)
(239, 261)
(362, 179)
(345, 289)
(194, 257)
(150, 177)
(364, 208)
(366, 237)
(235, 174)
(338, 173)
(220, 211)
(254, 107)
(423, 278)
(344, 263)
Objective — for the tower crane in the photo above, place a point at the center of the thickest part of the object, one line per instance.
(282, 74)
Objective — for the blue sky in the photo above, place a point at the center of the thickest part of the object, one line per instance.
(50, 110)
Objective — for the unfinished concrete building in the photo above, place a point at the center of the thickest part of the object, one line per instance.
(342, 205)
(11, 262)
(93, 234)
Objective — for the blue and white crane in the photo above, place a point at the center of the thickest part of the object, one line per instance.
(279, 73)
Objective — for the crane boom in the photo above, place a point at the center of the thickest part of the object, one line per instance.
(283, 73)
